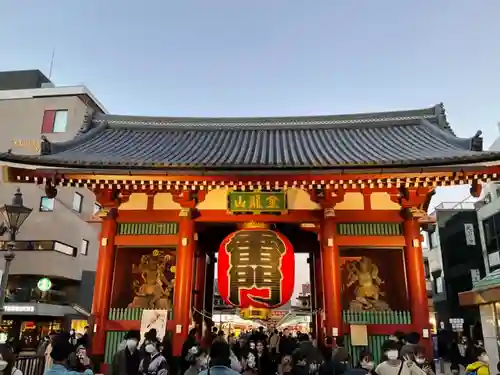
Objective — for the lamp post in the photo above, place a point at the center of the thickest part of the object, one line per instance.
(15, 215)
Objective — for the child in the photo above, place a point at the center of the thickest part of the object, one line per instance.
(480, 366)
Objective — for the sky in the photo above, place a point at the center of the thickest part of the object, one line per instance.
(268, 58)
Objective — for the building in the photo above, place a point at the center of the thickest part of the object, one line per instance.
(56, 241)
(455, 262)
(173, 189)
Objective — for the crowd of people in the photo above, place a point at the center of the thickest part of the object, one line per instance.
(282, 353)
(251, 353)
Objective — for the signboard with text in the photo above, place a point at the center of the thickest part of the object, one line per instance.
(257, 202)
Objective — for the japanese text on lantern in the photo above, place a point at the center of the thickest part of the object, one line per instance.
(256, 269)
(256, 202)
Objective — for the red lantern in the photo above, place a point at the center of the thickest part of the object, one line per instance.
(256, 268)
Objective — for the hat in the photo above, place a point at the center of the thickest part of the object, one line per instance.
(133, 334)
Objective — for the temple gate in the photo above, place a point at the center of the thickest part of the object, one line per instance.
(354, 188)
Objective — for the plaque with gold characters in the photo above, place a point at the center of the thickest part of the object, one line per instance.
(257, 202)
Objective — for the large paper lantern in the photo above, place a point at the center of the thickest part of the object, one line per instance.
(256, 268)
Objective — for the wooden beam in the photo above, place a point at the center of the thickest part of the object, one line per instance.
(370, 241)
(147, 240)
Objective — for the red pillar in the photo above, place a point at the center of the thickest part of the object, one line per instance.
(103, 281)
(318, 291)
(199, 291)
(330, 258)
(415, 274)
(183, 291)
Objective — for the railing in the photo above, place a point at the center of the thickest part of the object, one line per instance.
(30, 365)
(376, 317)
(129, 314)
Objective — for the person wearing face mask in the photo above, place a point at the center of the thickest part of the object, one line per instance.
(127, 359)
(7, 359)
(480, 366)
(365, 365)
(153, 363)
(198, 360)
(393, 365)
(61, 350)
(423, 363)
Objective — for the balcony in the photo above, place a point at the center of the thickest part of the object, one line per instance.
(44, 258)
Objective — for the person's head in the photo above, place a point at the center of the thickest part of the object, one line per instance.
(241, 341)
(86, 330)
(464, 339)
(286, 332)
(214, 330)
(261, 329)
(81, 351)
(366, 360)
(299, 358)
(251, 345)
(275, 331)
(259, 346)
(151, 335)
(220, 353)
(220, 333)
(398, 336)
(413, 338)
(420, 355)
(250, 361)
(339, 340)
(481, 355)
(7, 359)
(391, 350)
(61, 349)
(151, 346)
(132, 339)
(197, 357)
(193, 332)
(72, 332)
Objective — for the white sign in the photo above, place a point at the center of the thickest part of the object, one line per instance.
(18, 309)
(470, 238)
(475, 275)
(154, 319)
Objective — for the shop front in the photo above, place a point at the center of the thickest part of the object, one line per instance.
(27, 323)
(486, 295)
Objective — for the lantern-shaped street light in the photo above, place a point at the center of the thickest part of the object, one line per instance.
(15, 215)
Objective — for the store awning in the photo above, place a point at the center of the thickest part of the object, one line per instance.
(486, 290)
(39, 309)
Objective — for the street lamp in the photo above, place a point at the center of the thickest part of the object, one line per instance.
(15, 215)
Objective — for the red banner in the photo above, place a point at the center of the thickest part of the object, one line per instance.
(256, 267)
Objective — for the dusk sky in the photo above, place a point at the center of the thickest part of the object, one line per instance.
(268, 58)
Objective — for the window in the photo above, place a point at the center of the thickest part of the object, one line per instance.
(84, 249)
(498, 192)
(491, 227)
(77, 202)
(97, 208)
(439, 284)
(47, 204)
(55, 121)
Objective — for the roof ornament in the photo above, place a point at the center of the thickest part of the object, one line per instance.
(45, 146)
(476, 142)
(87, 123)
(441, 117)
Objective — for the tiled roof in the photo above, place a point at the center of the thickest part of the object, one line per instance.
(418, 137)
(491, 280)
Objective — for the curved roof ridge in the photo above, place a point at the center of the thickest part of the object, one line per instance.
(129, 121)
(474, 143)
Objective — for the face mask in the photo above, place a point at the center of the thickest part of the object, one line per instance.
(131, 344)
(71, 332)
(150, 348)
(392, 354)
(368, 365)
(252, 346)
(484, 358)
(3, 365)
(420, 361)
(204, 363)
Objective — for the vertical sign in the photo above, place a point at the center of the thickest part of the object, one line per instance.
(470, 238)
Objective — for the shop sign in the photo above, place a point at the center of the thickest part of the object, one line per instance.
(257, 202)
(44, 284)
(19, 309)
(256, 269)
